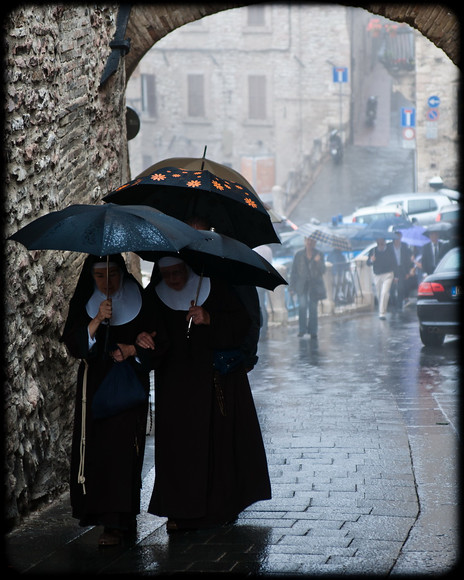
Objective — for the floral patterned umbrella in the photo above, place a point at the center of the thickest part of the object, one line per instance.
(227, 206)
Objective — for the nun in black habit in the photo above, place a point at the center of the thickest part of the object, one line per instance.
(210, 460)
(107, 453)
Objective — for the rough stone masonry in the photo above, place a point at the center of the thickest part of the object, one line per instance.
(65, 145)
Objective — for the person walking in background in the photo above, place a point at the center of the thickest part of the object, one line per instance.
(402, 270)
(306, 280)
(266, 252)
(433, 251)
(382, 260)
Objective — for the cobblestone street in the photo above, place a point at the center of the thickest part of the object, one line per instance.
(362, 456)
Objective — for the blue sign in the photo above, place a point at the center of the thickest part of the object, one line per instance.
(408, 117)
(340, 74)
(432, 114)
(433, 101)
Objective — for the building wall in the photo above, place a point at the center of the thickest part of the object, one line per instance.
(437, 140)
(292, 50)
(65, 143)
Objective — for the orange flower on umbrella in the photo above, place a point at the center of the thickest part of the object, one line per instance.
(158, 177)
(194, 183)
(250, 202)
(217, 185)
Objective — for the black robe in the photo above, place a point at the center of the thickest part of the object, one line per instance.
(209, 467)
(115, 445)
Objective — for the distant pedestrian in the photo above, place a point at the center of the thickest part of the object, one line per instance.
(432, 252)
(306, 280)
(266, 252)
(382, 260)
(402, 270)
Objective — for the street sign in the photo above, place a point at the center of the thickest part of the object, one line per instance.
(408, 133)
(340, 74)
(408, 117)
(433, 114)
(433, 101)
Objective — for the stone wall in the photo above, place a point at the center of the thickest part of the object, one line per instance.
(66, 144)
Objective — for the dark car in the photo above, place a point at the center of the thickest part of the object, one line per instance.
(438, 300)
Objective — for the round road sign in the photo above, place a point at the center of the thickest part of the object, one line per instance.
(408, 133)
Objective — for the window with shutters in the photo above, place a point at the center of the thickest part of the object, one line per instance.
(256, 16)
(148, 94)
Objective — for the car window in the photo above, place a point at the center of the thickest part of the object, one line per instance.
(450, 262)
(450, 215)
(421, 205)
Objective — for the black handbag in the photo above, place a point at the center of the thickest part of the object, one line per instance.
(119, 391)
(226, 361)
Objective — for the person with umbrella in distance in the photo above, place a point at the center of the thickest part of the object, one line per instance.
(306, 280)
(433, 251)
(210, 460)
(382, 259)
(106, 313)
(402, 271)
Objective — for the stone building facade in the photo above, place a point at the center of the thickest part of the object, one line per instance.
(267, 101)
(65, 142)
(291, 49)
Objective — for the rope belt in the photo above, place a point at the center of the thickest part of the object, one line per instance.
(80, 475)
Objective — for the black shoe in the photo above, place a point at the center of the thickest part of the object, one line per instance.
(300, 334)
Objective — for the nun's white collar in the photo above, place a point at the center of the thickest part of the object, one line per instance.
(126, 303)
(181, 299)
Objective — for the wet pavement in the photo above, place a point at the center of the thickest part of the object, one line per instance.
(361, 434)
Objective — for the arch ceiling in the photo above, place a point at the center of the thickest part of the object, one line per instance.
(148, 23)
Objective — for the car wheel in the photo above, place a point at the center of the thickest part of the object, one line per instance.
(430, 338)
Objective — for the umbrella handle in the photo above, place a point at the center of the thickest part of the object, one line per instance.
(195, 303)
(107, 333)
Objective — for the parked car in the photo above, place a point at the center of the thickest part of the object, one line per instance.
(449, 213)
(424, 207)
(438, 300)
(384, 216)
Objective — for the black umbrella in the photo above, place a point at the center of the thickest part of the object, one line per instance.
(105, 229)
(224, 257)
(228, 206)
(440, 227)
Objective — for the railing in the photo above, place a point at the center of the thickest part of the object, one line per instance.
(349, 289)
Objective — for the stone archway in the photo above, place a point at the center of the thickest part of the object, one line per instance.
(148, 23)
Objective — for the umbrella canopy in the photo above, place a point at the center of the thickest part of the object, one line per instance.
(224, 171)
(199, 164)
(324, 236)
(223, 257)
(414, 236)
(440, 227)
(105, 229)
(228, 206)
